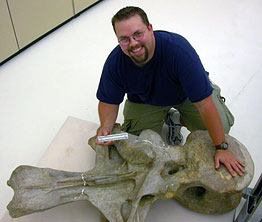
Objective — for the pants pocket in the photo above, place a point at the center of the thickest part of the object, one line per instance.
(221, 99)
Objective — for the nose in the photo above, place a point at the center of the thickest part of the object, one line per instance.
(132, 41)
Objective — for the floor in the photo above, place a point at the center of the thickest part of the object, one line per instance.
(58, 76)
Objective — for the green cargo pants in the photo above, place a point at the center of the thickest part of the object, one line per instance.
(138, 117)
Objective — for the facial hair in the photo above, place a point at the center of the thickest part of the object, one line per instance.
(139, 60)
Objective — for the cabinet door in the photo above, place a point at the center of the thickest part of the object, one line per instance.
(33, 18)
(83, 4)
(8, 44)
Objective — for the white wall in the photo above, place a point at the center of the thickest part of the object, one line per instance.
(58, 76)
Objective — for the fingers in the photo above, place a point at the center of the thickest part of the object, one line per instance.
(217, 163)
(234, 168)
(233, 165)
(241, 164)
(108, 143)
(230, 169)
(238, 168)
(104, 132)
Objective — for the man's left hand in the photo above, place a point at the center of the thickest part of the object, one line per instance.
(232, 164)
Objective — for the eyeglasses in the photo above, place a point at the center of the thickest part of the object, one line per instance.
(136, 36)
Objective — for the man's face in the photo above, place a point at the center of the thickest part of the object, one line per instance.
(136, 39)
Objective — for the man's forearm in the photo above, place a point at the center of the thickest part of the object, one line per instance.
(107, 114)
(213, 123)
(211, 119)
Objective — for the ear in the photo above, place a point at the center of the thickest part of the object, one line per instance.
(150, 28)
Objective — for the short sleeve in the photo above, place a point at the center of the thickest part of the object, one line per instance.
(110, 89)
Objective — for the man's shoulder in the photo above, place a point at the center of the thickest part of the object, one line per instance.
(169, 37)
(113, 60)
(115, 53)
(116, 62)
(175, 44)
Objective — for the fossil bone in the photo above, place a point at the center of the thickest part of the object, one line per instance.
(130, 175)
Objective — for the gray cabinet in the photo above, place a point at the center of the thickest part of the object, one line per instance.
(80, 5)
(8, 44)
(23, 21)
(33, 18)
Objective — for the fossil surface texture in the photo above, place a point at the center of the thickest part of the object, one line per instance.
(132, 174)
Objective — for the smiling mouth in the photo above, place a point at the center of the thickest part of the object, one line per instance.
(138, 54)
(136, 51)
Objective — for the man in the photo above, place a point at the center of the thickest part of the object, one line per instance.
(160, 70)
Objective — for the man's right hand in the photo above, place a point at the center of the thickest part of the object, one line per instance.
(104, 132)
(107, 115)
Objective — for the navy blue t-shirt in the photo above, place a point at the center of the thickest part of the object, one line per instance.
(174, 73)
